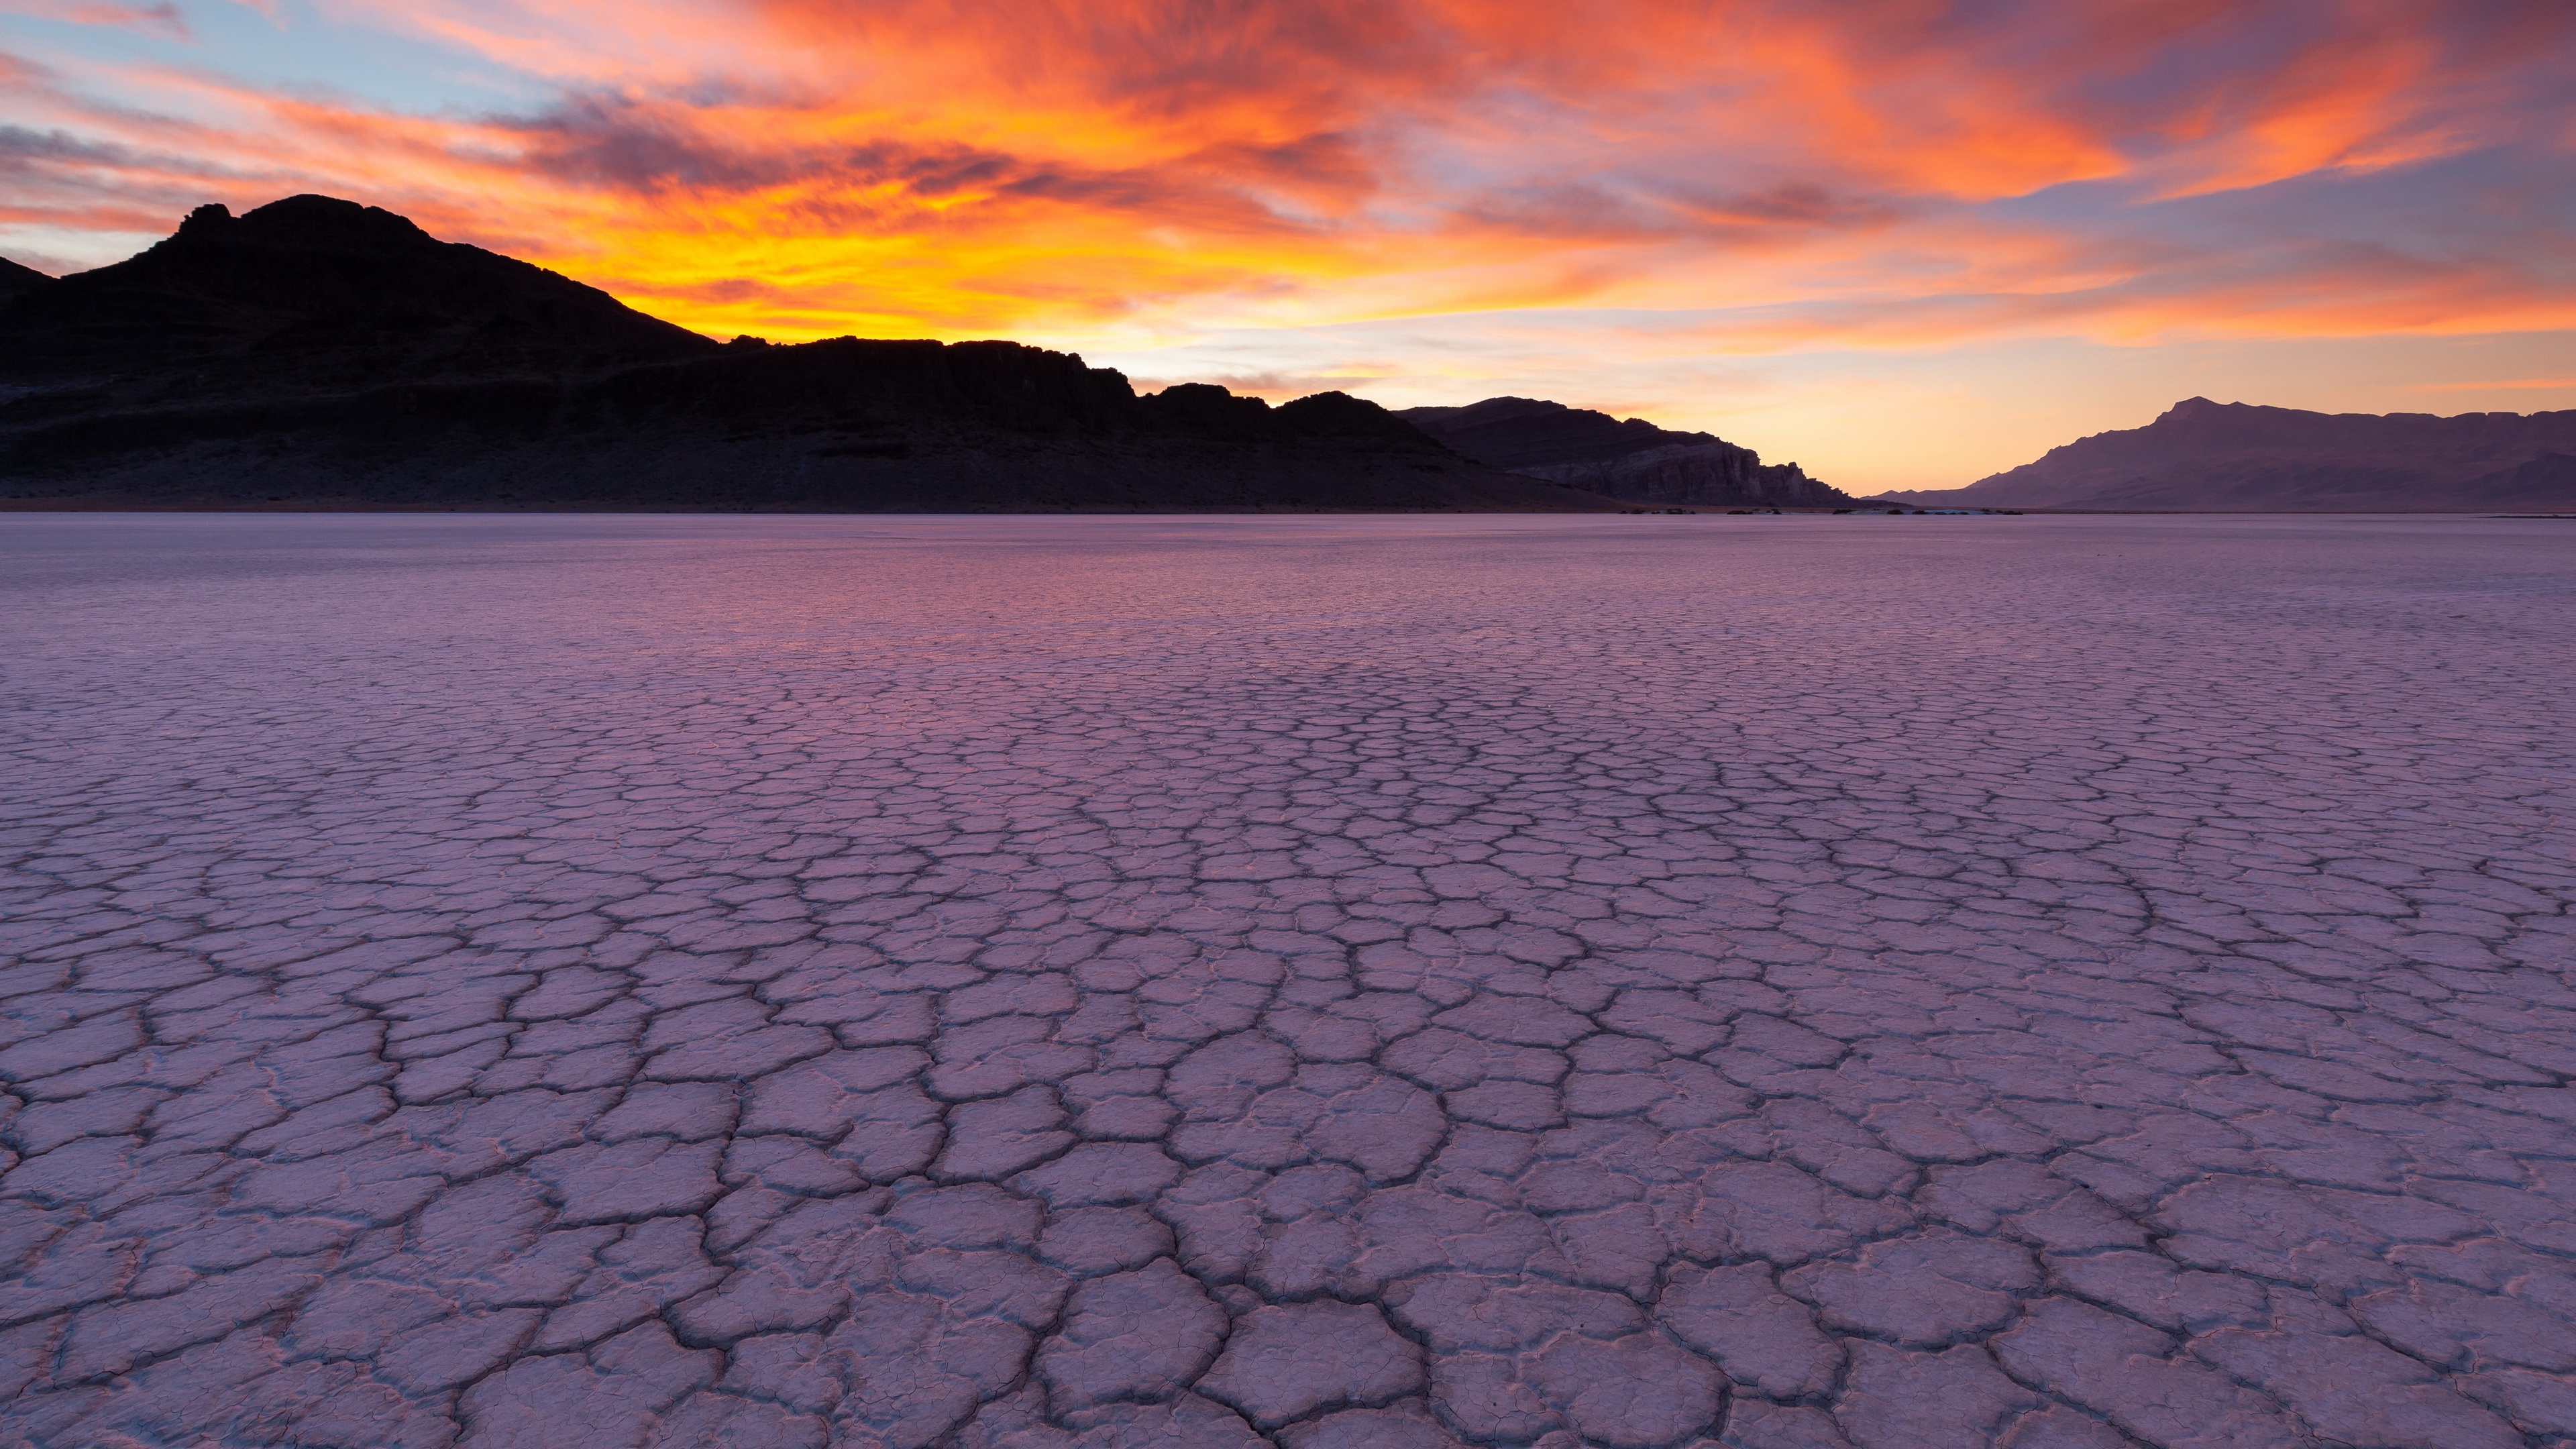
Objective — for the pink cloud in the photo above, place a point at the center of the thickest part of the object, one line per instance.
(1885, 172)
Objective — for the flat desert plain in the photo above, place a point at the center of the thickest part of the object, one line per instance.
(1325, 982)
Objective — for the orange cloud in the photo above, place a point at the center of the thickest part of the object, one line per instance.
(1880, 173)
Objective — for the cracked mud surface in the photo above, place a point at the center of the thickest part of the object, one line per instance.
(1900, 983)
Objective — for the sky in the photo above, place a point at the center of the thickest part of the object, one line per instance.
(1905, 243)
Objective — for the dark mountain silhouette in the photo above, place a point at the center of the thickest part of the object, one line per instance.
(315, 351)
(1631, 460)
(15, 279)
(327, 291)
(2233, 456)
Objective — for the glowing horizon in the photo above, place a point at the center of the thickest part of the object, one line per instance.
(1905, 245)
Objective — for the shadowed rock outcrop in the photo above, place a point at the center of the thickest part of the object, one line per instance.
(2235, 456)
(318, 352)
(1631, 460)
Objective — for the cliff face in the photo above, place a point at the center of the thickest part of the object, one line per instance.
(2205, 455)
(1632, 460)
(318, 352)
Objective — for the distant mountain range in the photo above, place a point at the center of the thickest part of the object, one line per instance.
(2203, 455)
(1633, 460)
(319, 352)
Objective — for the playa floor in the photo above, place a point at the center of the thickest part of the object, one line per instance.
(1336, 983)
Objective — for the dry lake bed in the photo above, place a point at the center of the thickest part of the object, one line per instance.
(1338, 983)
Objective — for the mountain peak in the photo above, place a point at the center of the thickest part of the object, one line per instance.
(324, 285)
(306, 221)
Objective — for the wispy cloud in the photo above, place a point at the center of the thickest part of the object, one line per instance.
(162, 20)
(1898, 173)
(2519, 384)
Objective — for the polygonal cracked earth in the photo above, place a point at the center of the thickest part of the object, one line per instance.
(1861, 983)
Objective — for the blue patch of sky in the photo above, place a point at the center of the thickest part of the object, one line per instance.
(299, 51)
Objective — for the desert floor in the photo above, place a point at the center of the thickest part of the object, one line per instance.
(1332, 982)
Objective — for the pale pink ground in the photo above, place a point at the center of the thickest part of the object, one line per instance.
(1782, 983)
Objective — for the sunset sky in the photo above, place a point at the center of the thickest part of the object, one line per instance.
(1902, 242)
